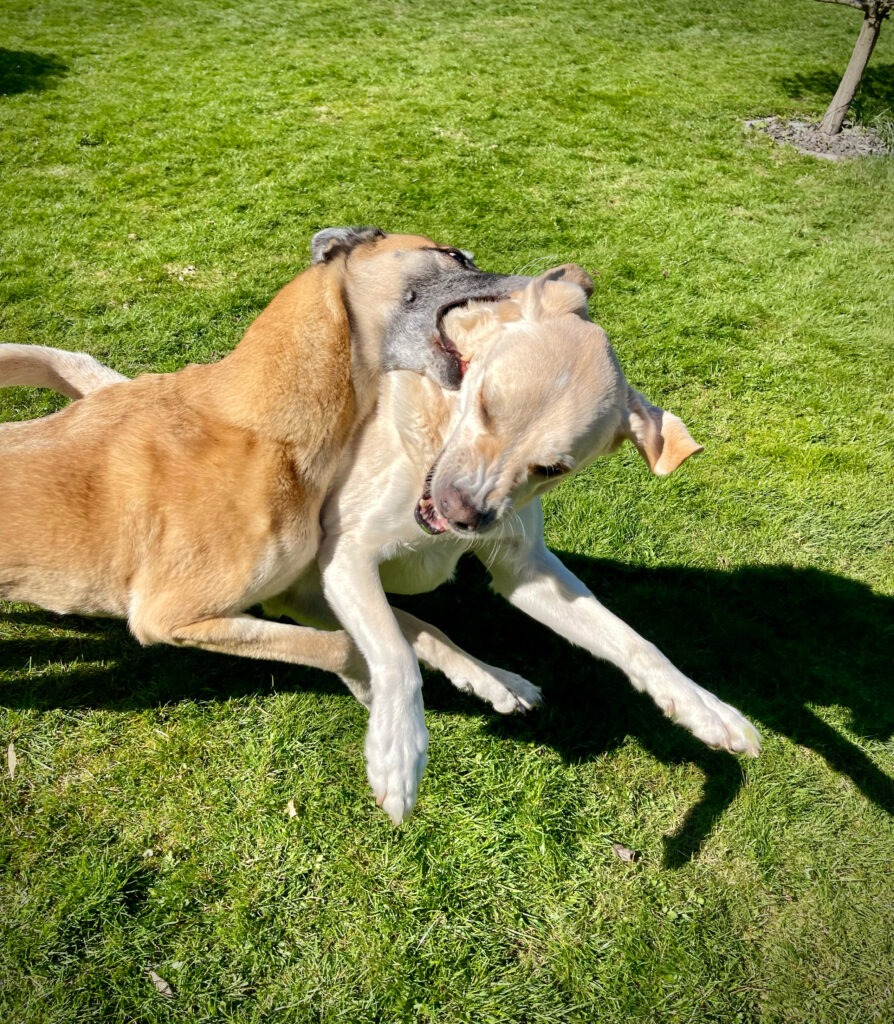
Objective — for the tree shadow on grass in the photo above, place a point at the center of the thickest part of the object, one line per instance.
(772, 640)
(21, 71)
(875, 94)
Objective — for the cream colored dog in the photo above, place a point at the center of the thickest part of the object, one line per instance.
(432, 475)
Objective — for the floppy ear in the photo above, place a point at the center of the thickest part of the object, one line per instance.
(331, 242)
(546, 297)
(660, 437)
(571, 273)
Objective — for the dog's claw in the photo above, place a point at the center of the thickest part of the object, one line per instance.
(530, 697)
(747, 742)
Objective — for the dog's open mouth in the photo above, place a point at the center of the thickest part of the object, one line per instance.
(443, 341)
(427, 516)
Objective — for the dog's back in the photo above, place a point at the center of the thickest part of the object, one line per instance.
(118, 481)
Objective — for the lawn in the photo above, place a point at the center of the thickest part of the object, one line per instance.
(163, 169)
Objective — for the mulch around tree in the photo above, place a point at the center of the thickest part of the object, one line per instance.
(851, 141)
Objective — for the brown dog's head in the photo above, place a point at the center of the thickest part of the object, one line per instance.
(398, 289)
(544, 395)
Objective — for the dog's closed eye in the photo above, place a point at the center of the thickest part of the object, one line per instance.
(550, 472)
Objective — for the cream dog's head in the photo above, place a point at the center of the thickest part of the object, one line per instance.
(543, 396)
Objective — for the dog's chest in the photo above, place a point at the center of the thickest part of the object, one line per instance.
(416, 568)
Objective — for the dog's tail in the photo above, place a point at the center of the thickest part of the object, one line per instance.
(73, 374)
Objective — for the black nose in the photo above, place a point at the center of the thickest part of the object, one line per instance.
(462, 513)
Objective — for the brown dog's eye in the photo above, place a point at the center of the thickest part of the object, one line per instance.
(548, 472)
(457, 255)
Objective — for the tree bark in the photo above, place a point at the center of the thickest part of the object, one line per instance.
(869, 31)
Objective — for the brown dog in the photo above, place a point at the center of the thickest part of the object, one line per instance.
(178, 500)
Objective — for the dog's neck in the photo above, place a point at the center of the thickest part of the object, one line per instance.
(298, 376)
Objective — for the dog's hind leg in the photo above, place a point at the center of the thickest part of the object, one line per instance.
(73, 374)
(505, 691)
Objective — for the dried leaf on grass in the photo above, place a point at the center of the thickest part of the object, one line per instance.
(11, 760)
(625, 854)
(290, 808)
(161, 986)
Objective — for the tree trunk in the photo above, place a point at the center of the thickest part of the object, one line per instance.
(869, 30)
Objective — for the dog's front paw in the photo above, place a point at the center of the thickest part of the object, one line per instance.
(396, 754)
(712, 721)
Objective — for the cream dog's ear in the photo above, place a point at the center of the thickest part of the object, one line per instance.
(470, 326)
(572, 273)
(660, 437)
(544, 298)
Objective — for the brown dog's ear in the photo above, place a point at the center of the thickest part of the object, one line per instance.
(332, 242)
(660, 437)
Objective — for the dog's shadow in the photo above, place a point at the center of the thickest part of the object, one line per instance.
(772, 640)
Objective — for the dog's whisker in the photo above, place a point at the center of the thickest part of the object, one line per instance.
(535, 262)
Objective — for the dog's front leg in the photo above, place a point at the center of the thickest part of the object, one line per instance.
(534, 580)
(396, 739)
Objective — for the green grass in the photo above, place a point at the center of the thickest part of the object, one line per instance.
(746, 287)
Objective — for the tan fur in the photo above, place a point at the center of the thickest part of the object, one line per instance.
(178, 500)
